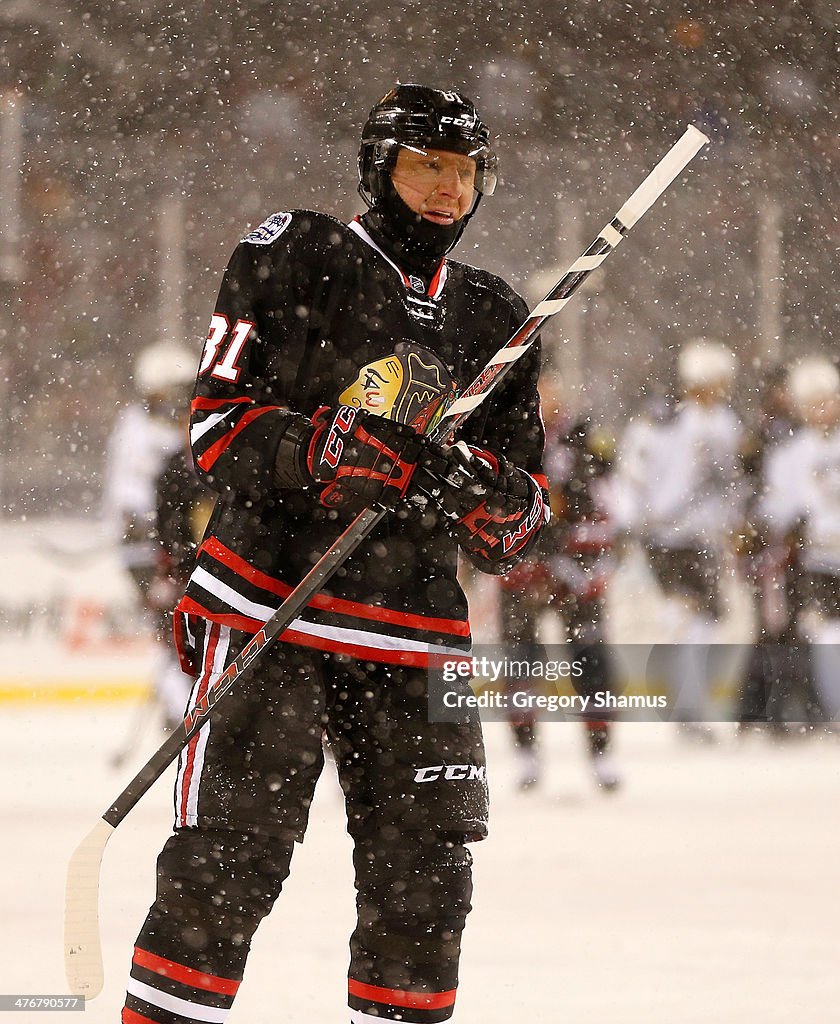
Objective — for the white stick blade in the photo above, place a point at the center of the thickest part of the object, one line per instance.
(82, 948)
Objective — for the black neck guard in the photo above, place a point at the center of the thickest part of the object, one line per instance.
(412, 242)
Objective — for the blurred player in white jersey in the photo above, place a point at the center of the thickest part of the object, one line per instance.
(801, 499)
(777, 686)
(144, 436)
(678, 490)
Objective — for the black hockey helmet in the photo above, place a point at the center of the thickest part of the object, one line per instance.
(416, 115)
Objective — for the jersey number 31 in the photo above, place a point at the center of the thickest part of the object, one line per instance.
(223, 358)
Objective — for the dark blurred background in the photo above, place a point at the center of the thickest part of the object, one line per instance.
(140, 138)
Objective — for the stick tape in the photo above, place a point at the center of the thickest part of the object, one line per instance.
(675, 160)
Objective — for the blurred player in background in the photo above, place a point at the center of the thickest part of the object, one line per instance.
(800, 507)
(679, 491)
(144, 436)
(777, 686)
(566, 575)
(183, 506)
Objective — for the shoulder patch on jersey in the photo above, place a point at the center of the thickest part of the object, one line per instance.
(270, 229)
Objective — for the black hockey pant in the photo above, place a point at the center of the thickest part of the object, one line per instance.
(214, 887)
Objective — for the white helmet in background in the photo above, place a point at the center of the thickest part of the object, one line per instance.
(164, 367)
(706, 363)
(811, 381)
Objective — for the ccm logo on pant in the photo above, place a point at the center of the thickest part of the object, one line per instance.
(450, 771)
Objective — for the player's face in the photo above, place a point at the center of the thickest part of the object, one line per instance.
(435, 183)
(712, 393)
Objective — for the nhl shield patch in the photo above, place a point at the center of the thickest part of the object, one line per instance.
(270, 229)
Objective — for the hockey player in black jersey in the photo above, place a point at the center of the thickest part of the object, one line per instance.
(567, 573)
(183, 507)
(330, 349)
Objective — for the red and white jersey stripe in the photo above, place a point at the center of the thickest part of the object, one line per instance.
(229, 591)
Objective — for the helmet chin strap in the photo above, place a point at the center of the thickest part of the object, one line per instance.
(417, 244)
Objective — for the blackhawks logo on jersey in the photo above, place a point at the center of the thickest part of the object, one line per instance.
(410, 386)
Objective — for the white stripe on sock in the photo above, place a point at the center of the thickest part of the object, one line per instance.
(164, 1001)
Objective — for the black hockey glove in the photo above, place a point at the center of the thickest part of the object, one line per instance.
(358, 454)
(492, 509)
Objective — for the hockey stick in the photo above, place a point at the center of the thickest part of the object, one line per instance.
(143, 713)
(83, 959)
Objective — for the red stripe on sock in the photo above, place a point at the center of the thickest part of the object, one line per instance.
(130, 1017)
(186, 975)
(397, 997)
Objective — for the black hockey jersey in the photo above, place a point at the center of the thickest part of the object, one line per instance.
(309, 312)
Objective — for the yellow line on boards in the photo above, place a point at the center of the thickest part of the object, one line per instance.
(49, 692)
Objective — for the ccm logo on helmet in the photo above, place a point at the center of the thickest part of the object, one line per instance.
(450, 771)
(465, 121)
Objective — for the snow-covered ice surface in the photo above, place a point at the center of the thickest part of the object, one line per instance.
(705, 890)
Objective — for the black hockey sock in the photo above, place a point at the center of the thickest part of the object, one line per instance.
(524, 734)
(213, 889)
(414, 893)
(598, 737)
